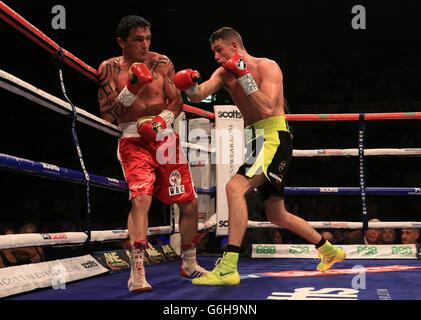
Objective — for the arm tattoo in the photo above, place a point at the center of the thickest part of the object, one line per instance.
(154, 64)
(170, 90)
(170, 73)
(107, 95)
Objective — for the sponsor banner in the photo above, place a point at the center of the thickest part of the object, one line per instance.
(116, 260)
(397, 251)
(229, 145)
(56, 274)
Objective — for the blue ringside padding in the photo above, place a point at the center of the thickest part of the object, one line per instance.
(401, 285)
(52, 171)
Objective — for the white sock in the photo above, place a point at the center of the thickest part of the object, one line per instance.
(189, 257)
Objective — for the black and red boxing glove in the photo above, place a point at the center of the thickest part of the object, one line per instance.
(149, 129)
(139, 76)
(238, 66)
(187, 80)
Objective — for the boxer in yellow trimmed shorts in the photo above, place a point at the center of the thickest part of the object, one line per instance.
(269, 150)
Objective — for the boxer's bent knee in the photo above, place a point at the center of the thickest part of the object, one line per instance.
(141, 200)
(188, 207)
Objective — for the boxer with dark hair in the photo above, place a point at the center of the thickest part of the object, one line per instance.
(137, 91)
(255, 85)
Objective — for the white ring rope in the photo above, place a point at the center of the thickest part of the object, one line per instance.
(354, 152)
(330, 152)
(26, 90)
(22, 88)
(344, 225)
(67, 238)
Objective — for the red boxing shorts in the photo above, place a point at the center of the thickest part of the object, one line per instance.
(157, 169)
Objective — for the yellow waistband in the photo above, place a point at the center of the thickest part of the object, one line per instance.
(278, 123)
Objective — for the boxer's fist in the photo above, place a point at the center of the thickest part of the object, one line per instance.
(148, 130)
(187, 80)
(139, 76)
(238, 66)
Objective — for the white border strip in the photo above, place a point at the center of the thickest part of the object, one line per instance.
(28, 91)
(359, 251)
(354, 152)
(24, 89)
(344, 225)
(56, 274)
(67, 238)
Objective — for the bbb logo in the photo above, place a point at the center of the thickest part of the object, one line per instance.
(230, 114)
(223, 223)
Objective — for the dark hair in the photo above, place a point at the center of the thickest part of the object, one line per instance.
(127, 23)
(225, 33)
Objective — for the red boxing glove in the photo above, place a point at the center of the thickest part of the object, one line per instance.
(238, 66)
(139, 76)
(187, 80)
(149, 129)
(146, 132)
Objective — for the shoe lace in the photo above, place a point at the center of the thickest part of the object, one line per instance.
(137, 260)
(140, 271)
(218, 264)
(325, 257)
(319, 257)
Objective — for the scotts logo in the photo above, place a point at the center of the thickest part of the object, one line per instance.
(223, 223)
(89, 264)
(50, 167)
(329, 190)
(175, 183)
(230, 114)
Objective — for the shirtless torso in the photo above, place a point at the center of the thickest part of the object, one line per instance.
(267, 102)
(157, 95)
(254, 112)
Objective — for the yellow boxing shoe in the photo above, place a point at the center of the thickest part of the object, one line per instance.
(225, 272)
(329, 255)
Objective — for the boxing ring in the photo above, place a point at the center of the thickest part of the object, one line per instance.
(389, 273)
